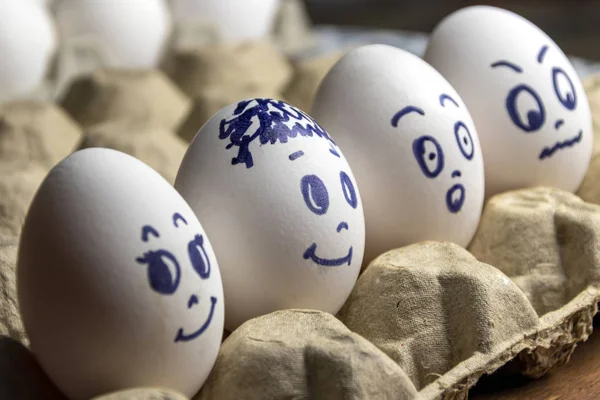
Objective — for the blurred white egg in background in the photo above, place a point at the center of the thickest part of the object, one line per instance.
(237, 20)
(134, 33)
(27, 44)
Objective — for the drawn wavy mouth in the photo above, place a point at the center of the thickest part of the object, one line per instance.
(455, 198)
(547, 152)
(326, 262)
(182, 337)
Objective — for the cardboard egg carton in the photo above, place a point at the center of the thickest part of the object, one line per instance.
(428, 320)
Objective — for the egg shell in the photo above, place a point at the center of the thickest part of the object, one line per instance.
(27, 43)
(237, 20)
(402, 127)
(114, 285)
(507, 71)
(281, 206)
(134, 33)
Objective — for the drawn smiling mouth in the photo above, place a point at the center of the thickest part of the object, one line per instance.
(549, 151)
(455, 198)
(182, 337)
(311, 253)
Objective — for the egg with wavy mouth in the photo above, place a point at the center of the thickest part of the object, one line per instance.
(118, 283)
(525, 97)
(281, 206)
(411, 142)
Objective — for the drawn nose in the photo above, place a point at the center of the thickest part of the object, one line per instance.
(558, 124)
(342, 225)
(193, 300)
(456, 174)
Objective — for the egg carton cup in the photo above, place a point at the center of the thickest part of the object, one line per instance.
(428, 320)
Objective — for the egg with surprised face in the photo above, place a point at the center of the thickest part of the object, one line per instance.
(281, 205)
(117, 281)
(411, 142)
(526, 99)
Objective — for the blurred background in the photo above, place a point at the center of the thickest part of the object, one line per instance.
(573, 24)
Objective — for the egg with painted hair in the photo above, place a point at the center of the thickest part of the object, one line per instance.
(525, 97)
(118, 284)
(281, 206)
(412, 144)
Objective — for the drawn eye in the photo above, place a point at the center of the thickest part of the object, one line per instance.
(198, 257)
(429, 155)
(349, 191)
(163, 271)
(565, 91)
(315, 194)
(464, 140)
(525, 108)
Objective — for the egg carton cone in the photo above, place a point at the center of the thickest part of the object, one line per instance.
(74, 58)
(292, 32)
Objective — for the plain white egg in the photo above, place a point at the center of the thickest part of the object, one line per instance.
(525, 97)
(118, 284)
(237, 20)
(411, 143)
(27, 45)
(281, 206)
(134, 33)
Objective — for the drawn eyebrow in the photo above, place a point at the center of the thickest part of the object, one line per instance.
(406, 110)
(178, 217)
(508, 64)
(333, 151)
(542, 54)
(296, 155)
(148, 230)
(444, 97)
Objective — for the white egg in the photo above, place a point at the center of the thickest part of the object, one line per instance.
(237, 20)
(134, 33)
(411, 143)
(281, 206)
(117, 281)
(27, 44)
(526, 99)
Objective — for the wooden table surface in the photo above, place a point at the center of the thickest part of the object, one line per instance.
(578, 380)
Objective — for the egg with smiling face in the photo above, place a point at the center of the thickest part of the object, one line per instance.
(117, 281)
(411, 142)
(525, 97)
(281, 206)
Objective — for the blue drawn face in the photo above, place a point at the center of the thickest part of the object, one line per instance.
(316, 198)
(429, 154)
(526, 108)
(268, 122)
(164, 272)
(274, 122)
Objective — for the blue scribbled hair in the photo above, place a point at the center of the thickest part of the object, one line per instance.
(273, 128)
